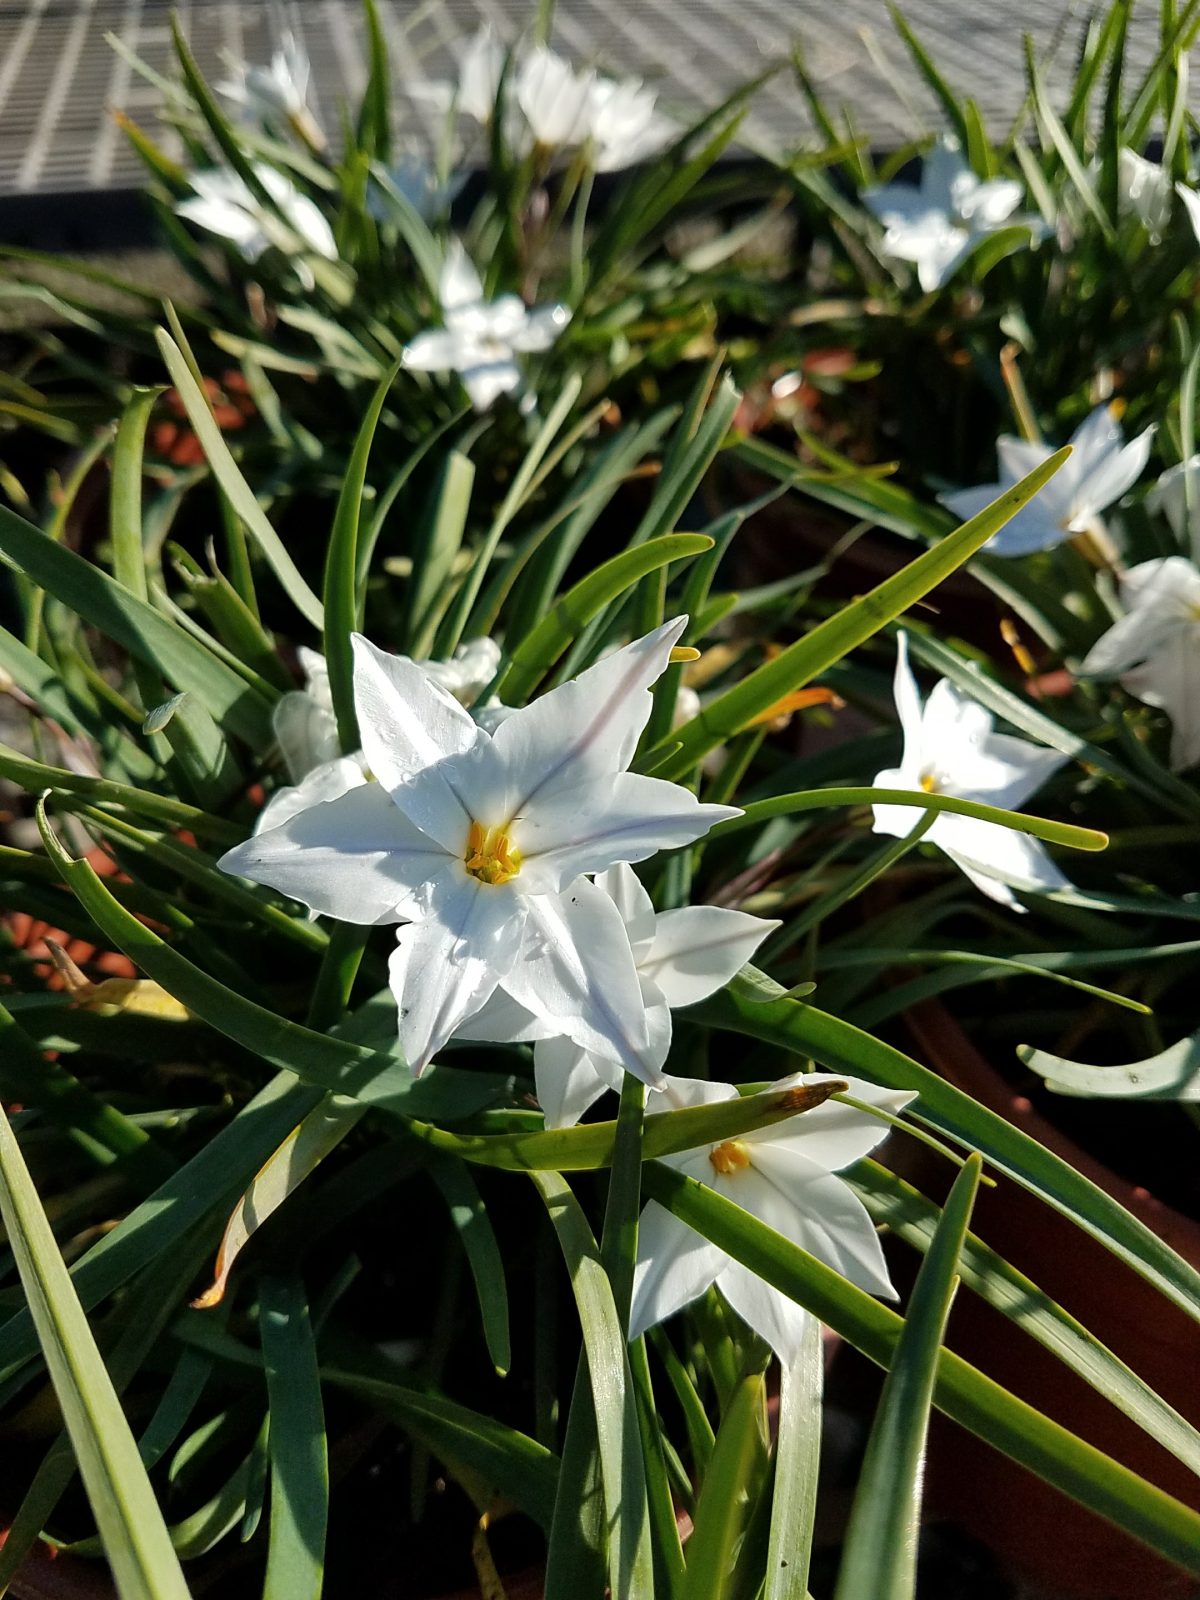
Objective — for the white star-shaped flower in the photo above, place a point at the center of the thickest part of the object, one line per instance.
(1155, 648)
(482, 339)
(937, 222)
(951, 748)
(277, 93)
(307, 733)
(624, 123)
(225, 204)
(476, 840)
(784, 1176)
(681, 957)
(1100, 469)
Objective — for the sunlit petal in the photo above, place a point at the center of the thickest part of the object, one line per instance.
(356, 858)
(674, 1266)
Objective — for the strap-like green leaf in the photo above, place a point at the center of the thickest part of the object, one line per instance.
(131, 1525)
(797, 1462)
(725, 1498)
(962, 1392)
(879, 1558)
(547, 640)
(631, 1569)
(1064, 833)
(137, 627)
(341, 563)
(296, 1442)
(227, 473)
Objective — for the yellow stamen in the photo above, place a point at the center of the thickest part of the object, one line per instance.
(732, 1156)
(1021, 656)
(929, 782)
(490, 855)
(683, 652)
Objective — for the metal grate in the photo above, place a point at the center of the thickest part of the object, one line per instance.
(59, 78)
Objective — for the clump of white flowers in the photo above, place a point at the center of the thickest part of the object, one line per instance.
(549, 106)
(503, 856)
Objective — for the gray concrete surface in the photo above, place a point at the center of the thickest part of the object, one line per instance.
(59, 79)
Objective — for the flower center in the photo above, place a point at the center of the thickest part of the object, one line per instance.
(730, 1157)
(490, 855)
(929, 781)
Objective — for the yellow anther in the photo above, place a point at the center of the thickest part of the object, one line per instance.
(732, 1156)
(683, 652)
(490, 855)
(929, 782)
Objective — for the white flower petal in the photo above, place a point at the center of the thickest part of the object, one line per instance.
(984, 850)
(576, 973)
(624, 888)
(1096, 438)
(306, 732)
(775, 1318)
(553, 97)
(1018, 458)
(568, 1080)
(968, 503)
(228, 222)
(310, 222)
(459, 283)
(1117, 473)
(1160, 597)
(1034, 527)
(897, 821)
(908, 704)
(833, 1135)
(946, 176)
(1169, 496)
(500, 1020)
(678, 1092)
(815, 1210)
(899, 205)
(436, 350)
(410, 727)
(989, 203)
(485, 382)
(1170, 679)
(479, 74)
(697, 949)
(675, 1265)
(590, 828)
(1144, 187)
(442, 971)
(327, 781)
(356, 858)
(584, 728)
(1120, 648)
(1191, 204)
(539, 328)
